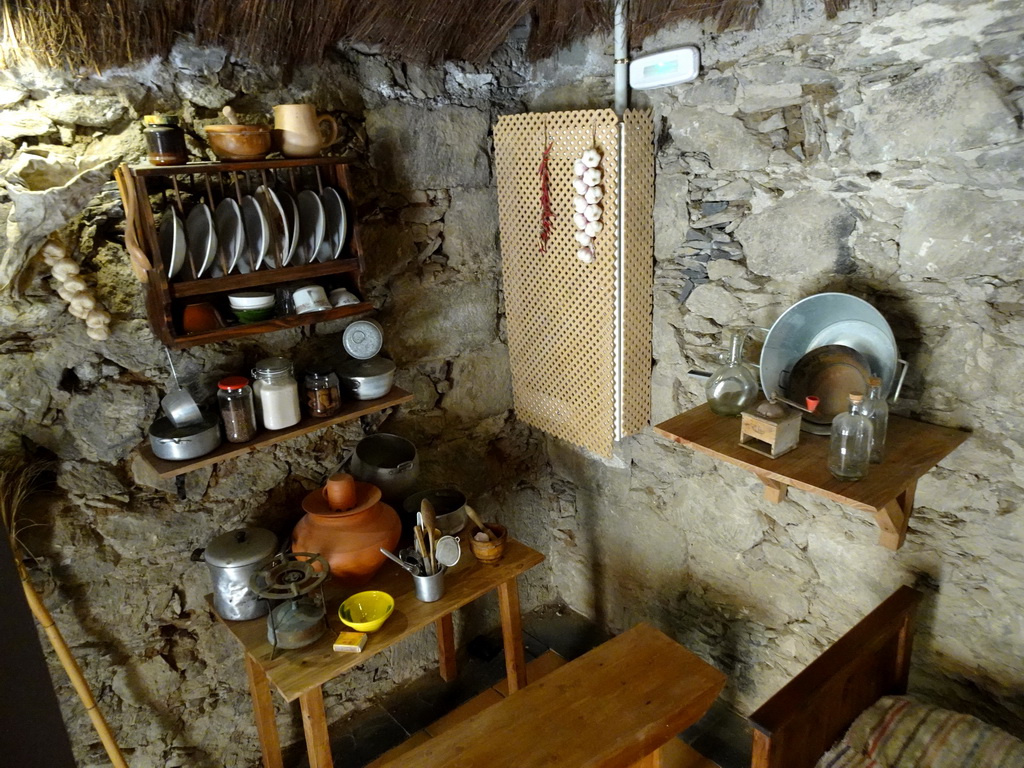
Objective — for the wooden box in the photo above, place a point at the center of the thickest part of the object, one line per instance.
(767, 436)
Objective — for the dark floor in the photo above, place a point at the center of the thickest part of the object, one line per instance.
(722, 735)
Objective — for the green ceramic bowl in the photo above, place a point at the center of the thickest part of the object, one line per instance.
(253, 315)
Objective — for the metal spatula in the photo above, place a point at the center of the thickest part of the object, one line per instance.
(179, 405)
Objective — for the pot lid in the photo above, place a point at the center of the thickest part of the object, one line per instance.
(375, 366)
(243, 546)
(363, 339)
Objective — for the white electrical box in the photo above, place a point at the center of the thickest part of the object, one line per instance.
(680, 65)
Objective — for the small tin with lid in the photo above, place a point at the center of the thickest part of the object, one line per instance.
(232, 558)
(165, 140)
(237, 411)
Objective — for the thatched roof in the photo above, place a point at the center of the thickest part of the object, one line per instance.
(96, 34)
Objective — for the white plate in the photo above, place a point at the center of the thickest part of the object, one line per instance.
(336, 225)
(256, 241)
(278, 247)
(227, 221)
(201, 238)
(291, 214)
(172, 243)
(311, 226)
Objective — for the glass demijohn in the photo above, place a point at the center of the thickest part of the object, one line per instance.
(849, 450)
(732, 388)
(877, 409)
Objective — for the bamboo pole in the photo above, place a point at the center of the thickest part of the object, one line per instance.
(74, 672)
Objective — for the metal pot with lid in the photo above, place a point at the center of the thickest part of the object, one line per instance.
(233, 557)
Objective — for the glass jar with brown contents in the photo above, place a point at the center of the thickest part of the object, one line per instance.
(323, 392)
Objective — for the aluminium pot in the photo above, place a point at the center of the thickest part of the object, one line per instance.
(388, 461)
(186, 442)
(232, 558)
(367, 379)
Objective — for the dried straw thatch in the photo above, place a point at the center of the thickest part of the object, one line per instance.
(95, 34)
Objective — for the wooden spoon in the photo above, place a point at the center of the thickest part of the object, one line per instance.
(480, 523)
(429, 523)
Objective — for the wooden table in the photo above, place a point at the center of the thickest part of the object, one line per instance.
(887, 493)
(616, 706)
(300, 674)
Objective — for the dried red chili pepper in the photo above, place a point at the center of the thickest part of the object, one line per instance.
(546, 213)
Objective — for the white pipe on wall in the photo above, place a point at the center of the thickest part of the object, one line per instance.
(621, 36)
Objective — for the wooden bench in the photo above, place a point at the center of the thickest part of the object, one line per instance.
(618, 705)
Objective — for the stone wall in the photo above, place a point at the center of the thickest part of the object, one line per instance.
(112, 551)
(879, 155)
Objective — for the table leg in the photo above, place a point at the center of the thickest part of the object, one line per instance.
(314, 723)
(263, 707)
(446, 648)
(512, 634)
(774, 491)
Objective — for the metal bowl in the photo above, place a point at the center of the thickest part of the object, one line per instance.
(449, 508)
(822, 320)
(182, 443)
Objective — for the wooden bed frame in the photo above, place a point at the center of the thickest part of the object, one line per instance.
(797, 725)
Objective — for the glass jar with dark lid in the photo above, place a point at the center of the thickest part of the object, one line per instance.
(165, 140)
(323, 392)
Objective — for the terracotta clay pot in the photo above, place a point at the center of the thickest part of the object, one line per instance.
(349, 540)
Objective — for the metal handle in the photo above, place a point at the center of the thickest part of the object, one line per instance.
(899, 384)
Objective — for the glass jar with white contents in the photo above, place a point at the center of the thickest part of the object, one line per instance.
(277, 393)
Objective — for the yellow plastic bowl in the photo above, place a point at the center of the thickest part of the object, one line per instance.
(366, 611)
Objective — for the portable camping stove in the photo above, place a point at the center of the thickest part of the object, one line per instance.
(293, 577)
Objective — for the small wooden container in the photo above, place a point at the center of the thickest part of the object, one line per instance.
(489, 551)
(769, 436)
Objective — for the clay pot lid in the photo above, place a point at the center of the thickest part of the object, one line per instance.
(367, 495)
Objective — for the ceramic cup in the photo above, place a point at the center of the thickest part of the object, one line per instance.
(340, 491)
(310, 298)
(299, 130)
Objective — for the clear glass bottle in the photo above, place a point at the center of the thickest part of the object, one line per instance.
(277, 393)
(234, 395)
(849, 450)
(323, 392)
(877, 409)
(732, 388)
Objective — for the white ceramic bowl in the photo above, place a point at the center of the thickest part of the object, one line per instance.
(251, 300)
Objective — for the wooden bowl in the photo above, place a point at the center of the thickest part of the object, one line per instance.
(489, 551)
(239, 142)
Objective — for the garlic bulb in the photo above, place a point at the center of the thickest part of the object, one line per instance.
(592, 177)
(583, 238)
(579, 220)
(594, 195)
(592, 212)
(83, 300)
(580, 186)
(580, 203)
(593, 228)
(97, 318)
(579, 167)
(586, 255)
(78, 311)
(63, 268)
(591, 158)
(75, 284)
(98, 333)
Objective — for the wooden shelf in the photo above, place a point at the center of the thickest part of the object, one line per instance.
(166, 299)
(274, 324)
(349, 411)
(912, 449)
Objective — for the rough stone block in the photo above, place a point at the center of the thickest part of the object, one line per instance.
(728, 144)
(958, 233)
(481, 384)
(471, 230)
(416, 148)
(77, 109)
(805, 234)
(934, 111)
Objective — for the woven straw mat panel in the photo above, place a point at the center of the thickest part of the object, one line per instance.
(638, 220)
(561, 312)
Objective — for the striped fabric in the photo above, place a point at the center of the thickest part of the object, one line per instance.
(898, 732)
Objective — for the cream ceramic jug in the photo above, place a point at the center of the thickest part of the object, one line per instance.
(299, 130)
